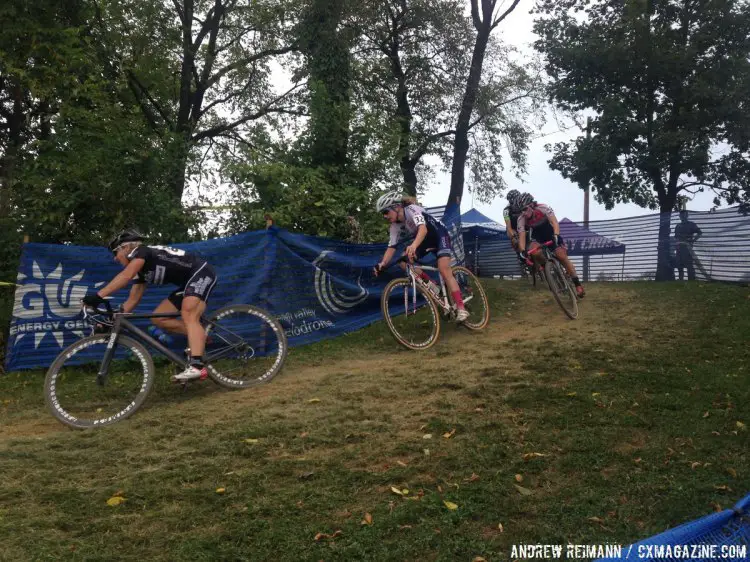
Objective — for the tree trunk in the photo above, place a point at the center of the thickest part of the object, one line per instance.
(328, 63)
(664, 269)
(461, 144)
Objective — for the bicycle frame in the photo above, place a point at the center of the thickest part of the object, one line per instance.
(444, 303)
(122, 324)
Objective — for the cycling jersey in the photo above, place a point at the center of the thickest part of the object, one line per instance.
(509, 215)
(437, 238)
(165, 265)
(539, 216)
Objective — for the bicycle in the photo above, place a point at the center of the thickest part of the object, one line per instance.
(105, 377)
(558, 280)
(411, 306)
(532, 273)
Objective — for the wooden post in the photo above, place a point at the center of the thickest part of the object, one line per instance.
(269, 220)
(25, 238)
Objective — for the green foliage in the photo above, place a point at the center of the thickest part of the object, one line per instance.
(669, 83)
(303, 199)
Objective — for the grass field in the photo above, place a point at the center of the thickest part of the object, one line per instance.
(607, 429)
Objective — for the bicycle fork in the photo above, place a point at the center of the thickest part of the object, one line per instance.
(101, 376)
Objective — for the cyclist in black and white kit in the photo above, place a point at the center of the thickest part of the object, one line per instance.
(430, 235)
(160, 265)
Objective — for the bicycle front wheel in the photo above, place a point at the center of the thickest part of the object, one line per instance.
(78, 397)
(411, 315)
(245, 346)
(561, 289)
(474, 297)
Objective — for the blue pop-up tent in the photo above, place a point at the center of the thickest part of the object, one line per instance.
(581, 241)
(476, 224)
(477, 230)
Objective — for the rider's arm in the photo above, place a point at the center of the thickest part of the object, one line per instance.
(122, 278)
(136, 292)
(508, 223)
(521, 224)
(387, 257)
(555, 225)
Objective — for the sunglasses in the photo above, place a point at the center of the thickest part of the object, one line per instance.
(114, 252)
(388, 210)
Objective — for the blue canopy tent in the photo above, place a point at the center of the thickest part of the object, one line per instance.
(583, 242)
(476, 229)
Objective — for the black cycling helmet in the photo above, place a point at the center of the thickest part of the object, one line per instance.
(127, 235)
(512, 196)
(523, 201)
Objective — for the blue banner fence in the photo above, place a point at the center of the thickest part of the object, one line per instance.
(720, 536)
(317, 287)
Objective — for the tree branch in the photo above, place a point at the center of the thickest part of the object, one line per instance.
(265, 110)
(246, 61)
(505, 14)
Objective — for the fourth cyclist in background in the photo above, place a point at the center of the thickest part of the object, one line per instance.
(545, 228)
(430, 235)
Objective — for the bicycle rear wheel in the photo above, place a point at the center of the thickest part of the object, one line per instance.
(410, 313)
(246, 346)
(560, 287)
(75, 396)
(474, 297)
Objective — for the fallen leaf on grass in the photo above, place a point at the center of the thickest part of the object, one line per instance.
(252, 440)
(426, 452)
(403, 527)
(473, 478)
(220, 490)
(401, 463)
(741, 426)
(529, 456)
(321, 536)
(695, 465)
(723, 488)
(523, 491)
(450, 433)
(596, 520)
(367, 520)
(400, 492)
(478, 559)
(732, 472)
(427, 436)
(115, 501)
(571, 394)
(706, 414)
(313, 400)
(519, 478)
(450, 505)
(304, 434)
(306, 475)
(500, 527)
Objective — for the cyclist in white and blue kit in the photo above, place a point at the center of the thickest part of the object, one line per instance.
(160, 265)
(430, 235)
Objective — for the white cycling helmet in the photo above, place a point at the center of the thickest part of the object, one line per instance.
(387, 200)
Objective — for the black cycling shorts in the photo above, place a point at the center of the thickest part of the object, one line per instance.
(200, 285)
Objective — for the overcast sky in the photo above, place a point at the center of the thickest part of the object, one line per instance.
(565, 198)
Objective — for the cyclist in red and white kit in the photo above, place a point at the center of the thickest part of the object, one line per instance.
(430, 235)
(544, 228)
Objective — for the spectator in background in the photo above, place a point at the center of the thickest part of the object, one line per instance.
(686, 233)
